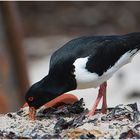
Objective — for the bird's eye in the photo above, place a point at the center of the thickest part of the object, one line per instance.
(31, 98)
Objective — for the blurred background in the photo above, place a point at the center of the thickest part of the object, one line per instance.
(31, 31)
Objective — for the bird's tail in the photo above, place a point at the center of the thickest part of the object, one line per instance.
(132, 40)
(132, 43)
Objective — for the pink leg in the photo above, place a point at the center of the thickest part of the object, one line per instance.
(102, 90)
(104, 105)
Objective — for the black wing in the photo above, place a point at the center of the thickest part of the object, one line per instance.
(111, 50)
(76, 48)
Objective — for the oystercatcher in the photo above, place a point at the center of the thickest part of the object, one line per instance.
(84, 62)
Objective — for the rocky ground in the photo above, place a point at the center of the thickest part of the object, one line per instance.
(70, 121)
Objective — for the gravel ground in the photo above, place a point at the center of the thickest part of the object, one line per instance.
(70, 121)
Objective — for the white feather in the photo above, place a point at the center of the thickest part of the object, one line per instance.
(86, 79)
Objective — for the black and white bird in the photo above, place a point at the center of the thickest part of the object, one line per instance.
(84, 62)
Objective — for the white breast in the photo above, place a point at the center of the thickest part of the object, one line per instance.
(86, 79)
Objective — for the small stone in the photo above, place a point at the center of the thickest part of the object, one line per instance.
(20, 112)
(93, 121)
(10, 115)
(83, 136)
(111, 126)
(104, 118)
(129, 108)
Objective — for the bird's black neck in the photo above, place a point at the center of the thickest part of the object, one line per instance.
(58, 84)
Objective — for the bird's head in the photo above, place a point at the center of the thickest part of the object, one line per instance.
(44, 91)
(37, 96)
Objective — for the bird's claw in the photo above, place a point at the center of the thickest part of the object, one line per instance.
(104, 111)
(90, 114)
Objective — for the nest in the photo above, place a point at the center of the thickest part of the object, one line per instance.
(70, 121)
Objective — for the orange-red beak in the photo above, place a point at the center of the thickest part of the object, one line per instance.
(32, 112)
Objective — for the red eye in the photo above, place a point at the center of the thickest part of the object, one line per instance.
(31, 98)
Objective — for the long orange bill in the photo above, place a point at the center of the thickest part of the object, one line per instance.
(32, 113)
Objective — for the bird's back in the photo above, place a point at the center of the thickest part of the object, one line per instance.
(89, 45)
(79, 47)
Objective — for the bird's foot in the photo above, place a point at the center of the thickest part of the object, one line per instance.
(104, 110)
(90, 113)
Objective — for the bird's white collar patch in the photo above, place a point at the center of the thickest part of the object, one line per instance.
(82, 75)
(87, 79)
